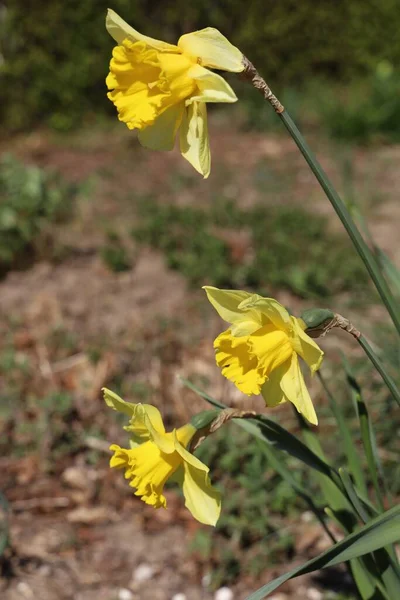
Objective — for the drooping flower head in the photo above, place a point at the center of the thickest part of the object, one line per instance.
(159, 88)
(156, 456)
(259, 351)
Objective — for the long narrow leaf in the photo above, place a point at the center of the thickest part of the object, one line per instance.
(353, 458)
(379, 532)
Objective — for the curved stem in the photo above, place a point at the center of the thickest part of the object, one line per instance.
(380, 368)
(251, 74)
(346, 219)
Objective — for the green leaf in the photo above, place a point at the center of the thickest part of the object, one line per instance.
(367, 433)
(352, 456)
(379, 532)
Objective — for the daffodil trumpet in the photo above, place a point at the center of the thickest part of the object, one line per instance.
(156, 456)
(259, 351)
(160, 88)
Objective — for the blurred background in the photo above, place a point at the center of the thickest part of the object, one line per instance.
(104, 247)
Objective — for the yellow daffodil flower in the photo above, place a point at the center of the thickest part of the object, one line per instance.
(159, 88)
(156, 456)
(259, 352)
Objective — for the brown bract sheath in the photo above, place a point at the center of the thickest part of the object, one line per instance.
(251, 74)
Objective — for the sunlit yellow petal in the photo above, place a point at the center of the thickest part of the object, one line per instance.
(162, 440)
(271, 390)
(295, 390)
(203, 501)
(148, 469)
(305, 346)
(271, 347)
(120, 30)
(236, 363)
(214, 50)
(194, 140)
(211, 87)
(226, 302)
(269, 309)
(114, 401)
(161, 134)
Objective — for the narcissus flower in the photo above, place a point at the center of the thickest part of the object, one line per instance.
(156, 456)
(259, 352)
(159, 88)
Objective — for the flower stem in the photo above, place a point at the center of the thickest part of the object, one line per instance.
(380, 368)
(358, 241)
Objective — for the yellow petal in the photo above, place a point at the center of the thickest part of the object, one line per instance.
(201, 499)
(271, 391)
(114, 401)
(271, 347)
(120, 30)
(194, 140)
(226, 302)
(211, 87)
(148, 469)
(236, 363)
(305, 346)
(139, 428)
(161, 134)
(295, 390)
(270, 311)
(157, 434)
(214, 50)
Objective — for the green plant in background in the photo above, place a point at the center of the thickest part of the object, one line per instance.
(203, 245)
(31, 200)
(41, 84)
(248, 484)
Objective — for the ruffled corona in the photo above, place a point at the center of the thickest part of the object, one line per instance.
(159, 88)
(157, 456)
(259, 352)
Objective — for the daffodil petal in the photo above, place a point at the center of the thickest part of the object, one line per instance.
(187, 456)
(213, 49)
(295, 390)
(270, 309)
(305, 346)
(161, 134)
(120, 30)
(271, 391)
(201, 499)
(194, 142)
(156, 435)
(226, 303)
(211, 87)
(115, 402)
(138, 428)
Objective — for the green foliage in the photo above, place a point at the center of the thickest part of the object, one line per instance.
(54, 56)
(115, 254)
(283, 247)
(247, 535)
(369, 111)
(30, 200)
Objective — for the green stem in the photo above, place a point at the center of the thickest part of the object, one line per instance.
(345, 217)
(380, 368)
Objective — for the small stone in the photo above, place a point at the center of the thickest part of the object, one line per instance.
(179, 597)
(223, 593)
(314, 594)
(307, 516)
(125, 594)
(206, 580)
(143, 572)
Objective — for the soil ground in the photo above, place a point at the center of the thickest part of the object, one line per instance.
(76, 530)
